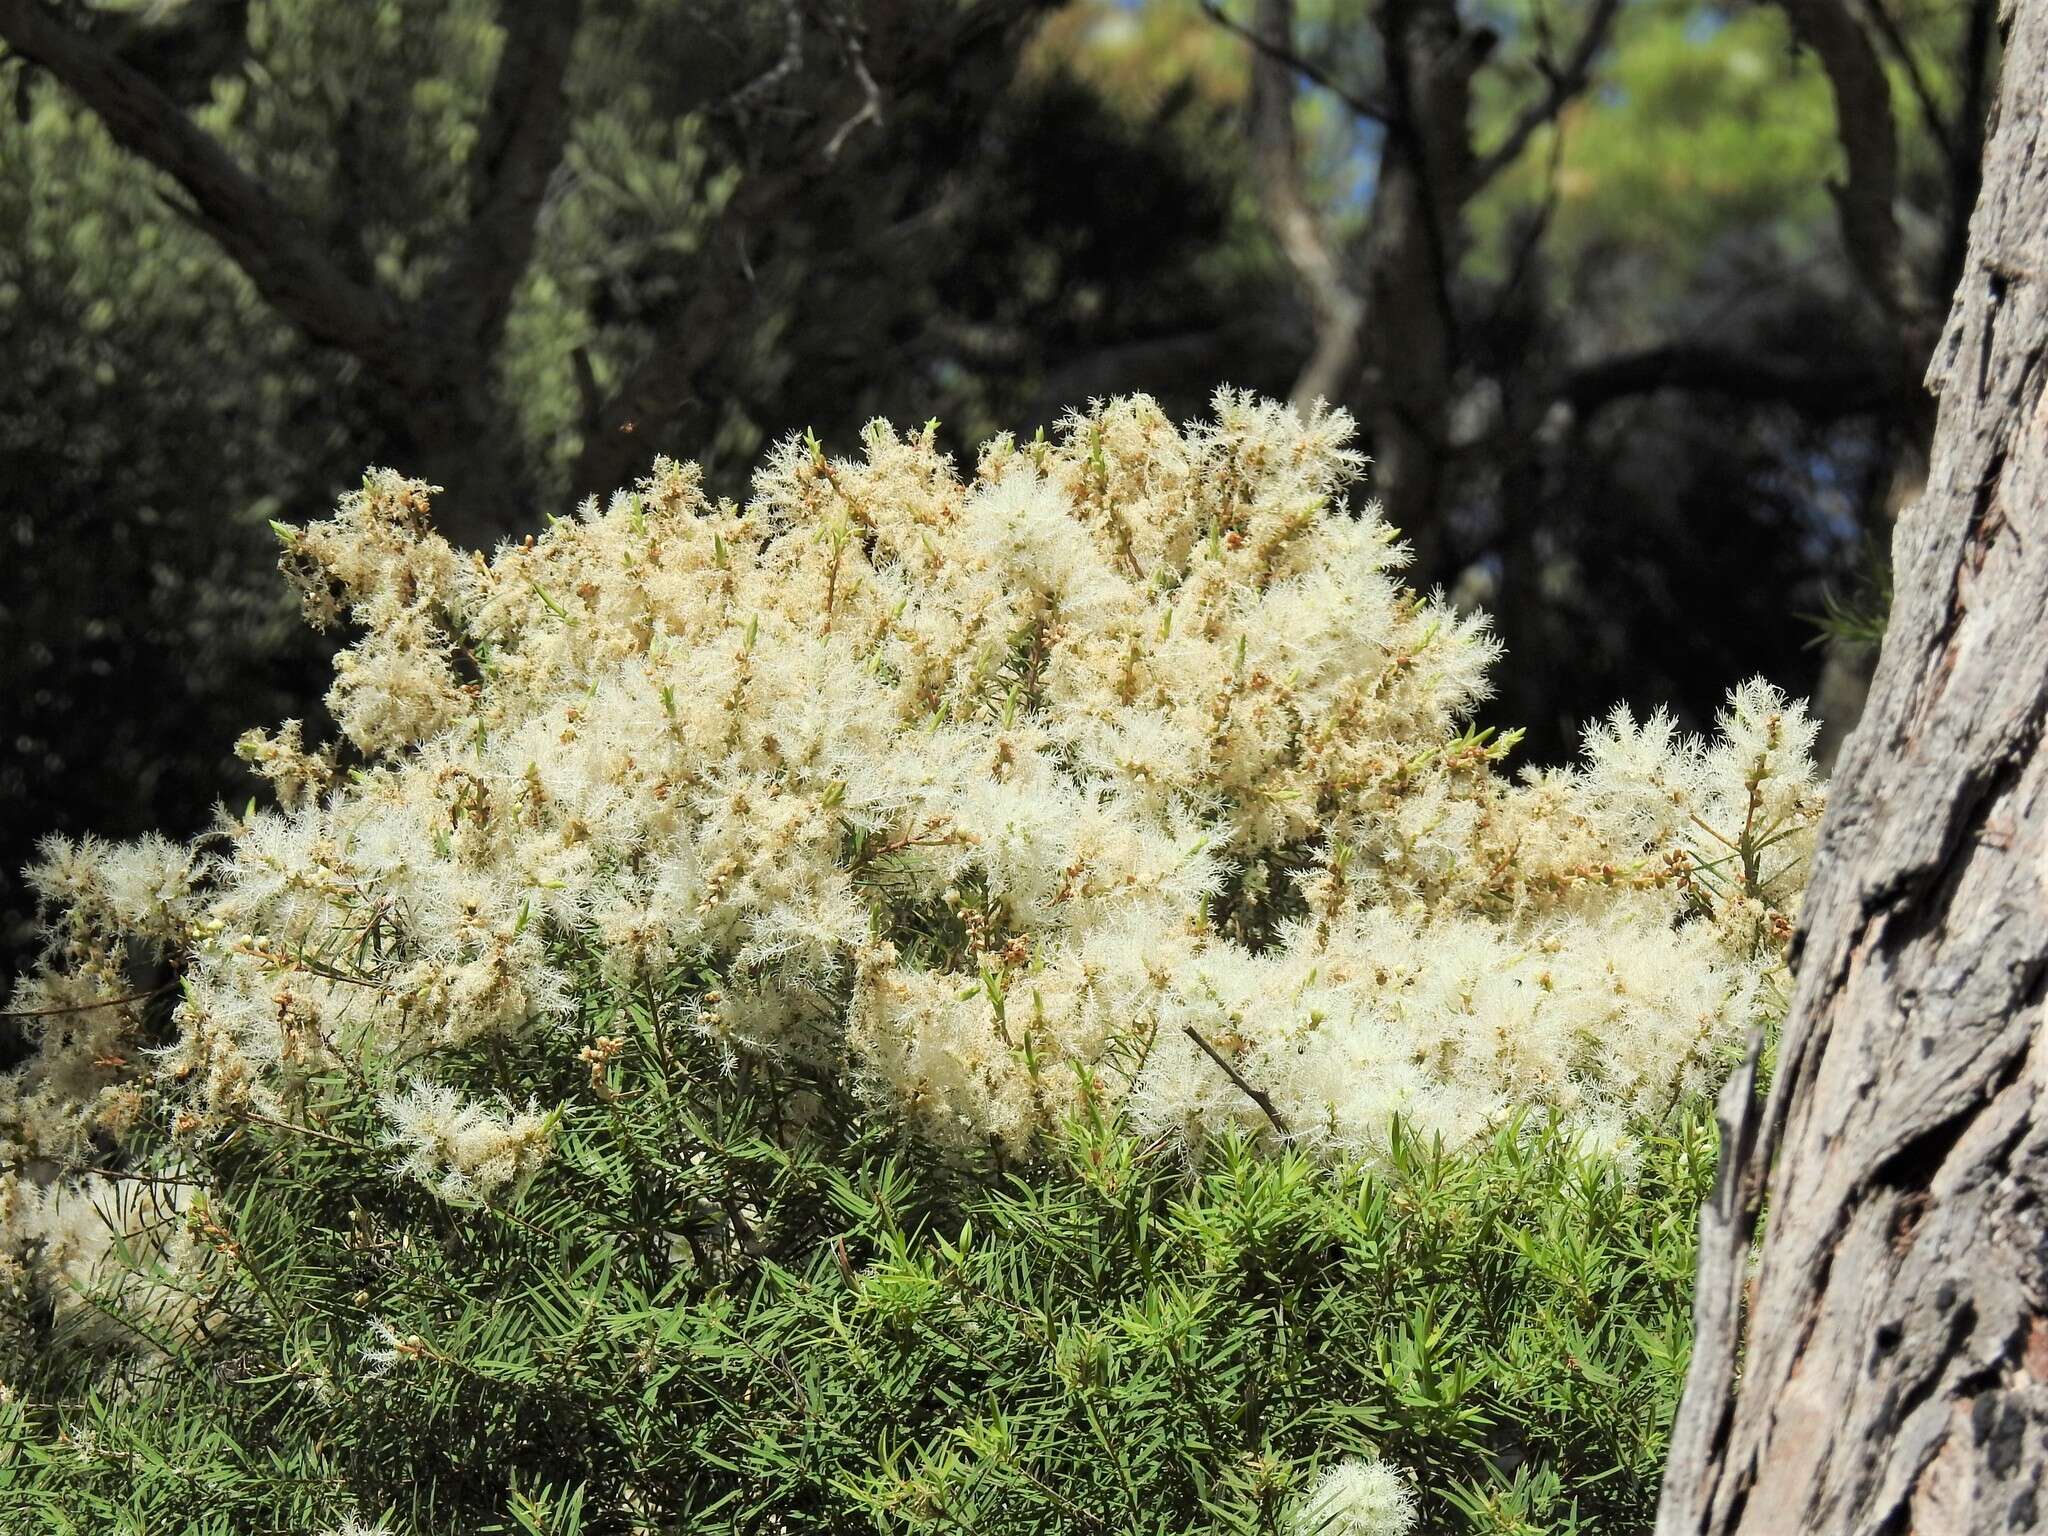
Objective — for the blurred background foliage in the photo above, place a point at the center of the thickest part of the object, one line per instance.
(1636, 382)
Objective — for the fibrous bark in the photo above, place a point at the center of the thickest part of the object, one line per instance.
(1894, 1373)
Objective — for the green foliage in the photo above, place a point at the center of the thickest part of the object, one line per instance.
(1858, 612)
(138, 604)
(733, 1301)
(1707, 126)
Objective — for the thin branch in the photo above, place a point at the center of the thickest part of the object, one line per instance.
(1301, 64)
(1531, 238)
(304, 1130)
(1566, 83)
(790, 61)
(1284, 54)
(1339, 310)
(525, 129)
(1930, 110)
(870, 111)
(106, 1002)
(1257, 1095)
(288, 265)
(1825, 393)
(1869, 139)
(31, 1166)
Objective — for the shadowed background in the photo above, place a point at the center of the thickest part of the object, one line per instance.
(1631, 299)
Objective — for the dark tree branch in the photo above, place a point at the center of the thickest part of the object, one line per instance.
(784, 68)
(104, 1002)
(1930, 110)
(525, 127)
(655, 390)
(1966, 164)
(1258, 1096)
(1977, 84)
(1338, 309)
(1566, 82)
(1823, 393)
(1412, 247)
(1283, 53)
(1531, 238)
(1864, 126)
(1431, 59)
(270, 244)
(847, 35)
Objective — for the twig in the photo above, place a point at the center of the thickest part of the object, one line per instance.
(1566, 82)
(791, 60)
(110, 1002)
(86, 1170)
(871, 94)
(1307, 69)
(1256, 1095)
(1538, 226)
(305, 1130)
(1930, 111)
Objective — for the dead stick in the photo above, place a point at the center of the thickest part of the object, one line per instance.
(1257, 1096)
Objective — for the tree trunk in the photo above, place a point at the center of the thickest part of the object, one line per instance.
(1411, 252)
(1895, 1373)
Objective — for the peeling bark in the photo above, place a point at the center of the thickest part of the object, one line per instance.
(1894, 1377)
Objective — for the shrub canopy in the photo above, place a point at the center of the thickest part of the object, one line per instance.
(1120, 782)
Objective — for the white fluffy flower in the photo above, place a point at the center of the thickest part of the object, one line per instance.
(1357, 1498)
(1123, 760)
(463, 1151)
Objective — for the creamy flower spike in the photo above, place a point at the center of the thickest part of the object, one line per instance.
(1127, 760)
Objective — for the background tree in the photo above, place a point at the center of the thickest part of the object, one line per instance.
(996, 229)
(1894, 1367)
(1584, 290)
(1652, 409)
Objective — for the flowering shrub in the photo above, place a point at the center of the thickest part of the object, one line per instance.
(1123, 780)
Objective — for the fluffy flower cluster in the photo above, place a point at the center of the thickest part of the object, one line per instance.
(1127, 761)
(1357, 1498)
(463, 1151)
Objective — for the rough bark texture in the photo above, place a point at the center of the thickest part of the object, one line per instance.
(1895, 1373)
